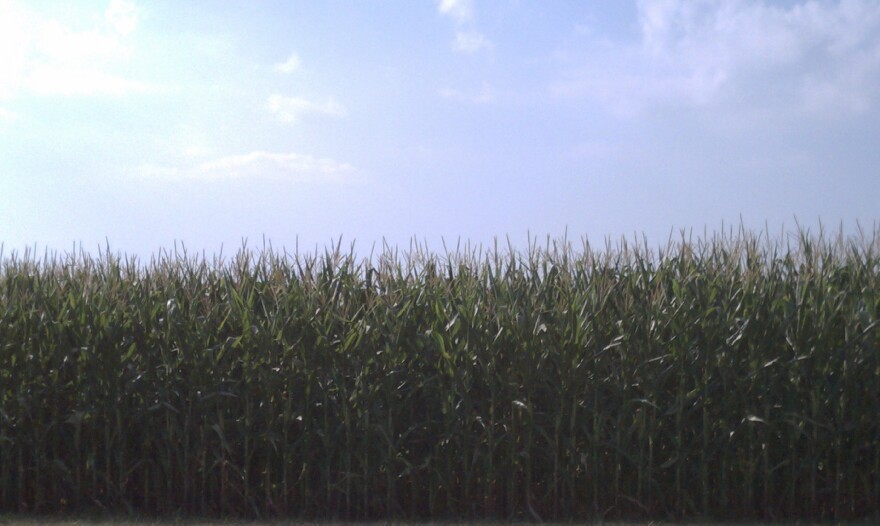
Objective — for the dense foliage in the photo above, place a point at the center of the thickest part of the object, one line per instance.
(731, 377)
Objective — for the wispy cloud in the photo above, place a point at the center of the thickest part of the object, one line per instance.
(7, 115)
(289, 166)
(468, 39)
(191, 142)
(121, 16)
(292, 109)
(49, 57)
(70, 81)
(470, 42)
(485, 95)
(290, 65)
(814, 57)
(461, 10)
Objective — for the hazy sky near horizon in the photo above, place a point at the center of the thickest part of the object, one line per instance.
(140, 123)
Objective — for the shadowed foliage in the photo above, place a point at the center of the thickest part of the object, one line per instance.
(729, 378)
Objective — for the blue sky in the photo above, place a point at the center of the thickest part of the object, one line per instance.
(144, 123)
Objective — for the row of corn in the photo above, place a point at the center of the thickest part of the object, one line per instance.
(731, 377)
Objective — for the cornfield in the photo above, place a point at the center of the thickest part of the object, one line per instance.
(728, 377)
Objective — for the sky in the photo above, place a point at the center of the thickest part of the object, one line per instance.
(136, 125)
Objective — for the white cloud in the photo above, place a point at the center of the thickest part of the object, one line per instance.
(460, 10)
(470, 42)
(485, 95)
(15, 44)
(290, 166)
(467, 38)
(121, 16)
(288, 66)
(191, 142)
(7, 115)
(55, 43)
(809, 57)
(70, 81)
(46, 56)
(292, 109)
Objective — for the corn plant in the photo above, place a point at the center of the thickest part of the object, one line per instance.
(728, 377)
